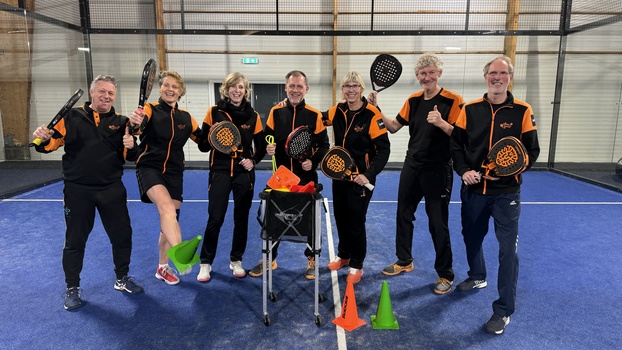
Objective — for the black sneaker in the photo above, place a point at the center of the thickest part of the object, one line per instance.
(72, 298)
(497, 324)
(127, 284)
(470, 284)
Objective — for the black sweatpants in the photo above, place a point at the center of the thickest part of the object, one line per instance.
(219, 187)
(350, 203)
(80, 204)
(433, 184)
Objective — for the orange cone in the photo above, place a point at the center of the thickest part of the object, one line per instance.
(384, 318)
(349, 318)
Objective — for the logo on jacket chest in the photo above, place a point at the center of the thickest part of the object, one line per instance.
(114, 127)
(506, 125)
(359, 128)
(245, 126)
(181, 126)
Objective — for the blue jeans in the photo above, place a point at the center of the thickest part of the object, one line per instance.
(505, 210)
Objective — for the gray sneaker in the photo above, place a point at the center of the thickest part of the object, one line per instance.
(443, 286)
(394, 269)
(258, 269)
(470, 284)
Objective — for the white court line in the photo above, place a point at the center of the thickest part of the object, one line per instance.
(341, 334)
(325, 200)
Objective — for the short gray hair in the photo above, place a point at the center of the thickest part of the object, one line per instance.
(107, 78)
(428, 59)
(503, 58)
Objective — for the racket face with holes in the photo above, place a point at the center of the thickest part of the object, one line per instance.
(337, 164)
(507, 157)
(384, 72)
(225, 138)
(146, 81)
(299, 143)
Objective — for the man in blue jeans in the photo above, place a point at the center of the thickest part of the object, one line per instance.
(481, 123)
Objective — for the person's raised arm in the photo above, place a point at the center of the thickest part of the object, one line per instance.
(391, 124)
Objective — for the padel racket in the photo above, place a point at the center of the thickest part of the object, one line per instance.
(384, 72)
(299, 143)
(337, 164)
(146, 82)
(507, 157)
(225, 138)
(60, 115)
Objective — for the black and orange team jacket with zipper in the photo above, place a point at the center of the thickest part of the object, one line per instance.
(282, 120)
(481, 124)
(165, 131)
(248, 122)
(93, 142)
(363, 134)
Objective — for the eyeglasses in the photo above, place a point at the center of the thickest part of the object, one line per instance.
(354, 87)
(501, 74)
(293, 87)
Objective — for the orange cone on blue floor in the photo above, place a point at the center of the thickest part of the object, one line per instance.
(349, 318)
(384, 318)
(184, 255)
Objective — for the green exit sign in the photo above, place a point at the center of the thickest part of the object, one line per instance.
(250, 60)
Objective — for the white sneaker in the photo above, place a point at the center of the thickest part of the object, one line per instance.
(203, 275)
(238, 270)
(186, 271)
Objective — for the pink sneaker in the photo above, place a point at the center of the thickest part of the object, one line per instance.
(338, 264)
(354, 275)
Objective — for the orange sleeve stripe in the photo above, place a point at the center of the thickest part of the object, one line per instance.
(147, 110)
(258, 126)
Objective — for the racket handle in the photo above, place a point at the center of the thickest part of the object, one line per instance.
(481, 176)
(35, 142)
(369, 186)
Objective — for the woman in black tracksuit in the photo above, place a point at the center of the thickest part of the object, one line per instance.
(160, 167)
(231, 173)
(358, 127)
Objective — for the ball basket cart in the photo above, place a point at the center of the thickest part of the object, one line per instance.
(294, 217)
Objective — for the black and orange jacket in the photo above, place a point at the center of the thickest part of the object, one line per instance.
(248, 122)
(428, 146)
(363, 135)
(479, 126)
(282, 120)
(93, 142)
(164, 133)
